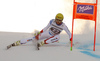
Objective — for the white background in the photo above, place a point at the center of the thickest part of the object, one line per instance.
(27, 15)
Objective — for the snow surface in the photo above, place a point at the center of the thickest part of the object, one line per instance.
(51, 52)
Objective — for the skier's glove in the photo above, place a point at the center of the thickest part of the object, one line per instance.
(37, 33)
(70, 39)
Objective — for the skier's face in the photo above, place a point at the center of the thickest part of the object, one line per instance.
(58, 21)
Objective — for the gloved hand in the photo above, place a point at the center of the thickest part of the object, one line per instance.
(70, 39)
(38, 32)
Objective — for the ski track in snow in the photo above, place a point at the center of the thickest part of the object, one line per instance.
(87, 51)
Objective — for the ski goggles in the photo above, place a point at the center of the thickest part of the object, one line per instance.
(58, 20)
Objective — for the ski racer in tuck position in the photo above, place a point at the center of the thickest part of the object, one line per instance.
(50, 33)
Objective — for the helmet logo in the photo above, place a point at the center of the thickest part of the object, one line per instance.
(59, 17)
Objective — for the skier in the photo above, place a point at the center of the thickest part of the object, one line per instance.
(50, 33)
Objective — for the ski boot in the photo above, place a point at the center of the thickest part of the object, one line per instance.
(41, 44)
(14, 44)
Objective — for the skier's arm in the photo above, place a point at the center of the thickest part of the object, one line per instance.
(44, 29)
(67, 31)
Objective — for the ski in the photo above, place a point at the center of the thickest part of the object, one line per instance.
(14, 44)
(9, 46)
(37, 46)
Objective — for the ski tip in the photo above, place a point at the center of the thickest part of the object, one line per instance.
(9, 47)
(38, 49)
(38, 45)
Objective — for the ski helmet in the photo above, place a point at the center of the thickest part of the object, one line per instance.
(59, 16)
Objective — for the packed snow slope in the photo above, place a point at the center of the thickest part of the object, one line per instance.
(82, 51)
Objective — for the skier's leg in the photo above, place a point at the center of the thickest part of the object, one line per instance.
(23, 41)
(19, 42)
(52, 39)
(43, 35)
